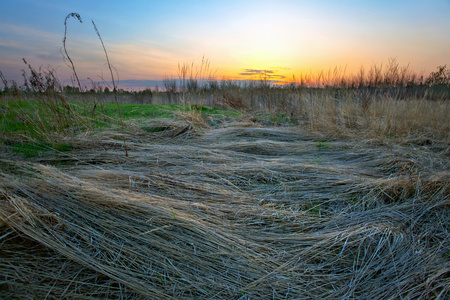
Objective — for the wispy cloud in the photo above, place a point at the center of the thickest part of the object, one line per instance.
(270, 74)
(253, 72)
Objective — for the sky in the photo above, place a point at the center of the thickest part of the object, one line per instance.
(149, 40)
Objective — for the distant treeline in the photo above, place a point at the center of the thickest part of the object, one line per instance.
(393, 81)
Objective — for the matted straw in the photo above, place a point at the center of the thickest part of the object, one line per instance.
(228, 213)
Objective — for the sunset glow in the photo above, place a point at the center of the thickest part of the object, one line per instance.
(146, 40)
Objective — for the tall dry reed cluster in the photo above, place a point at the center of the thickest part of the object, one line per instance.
(40, 112)
(384, 102)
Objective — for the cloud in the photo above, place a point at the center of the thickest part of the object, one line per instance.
(252, 72)
(50, 56)
(270, 74)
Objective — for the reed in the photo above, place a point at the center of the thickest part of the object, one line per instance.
(114, 86)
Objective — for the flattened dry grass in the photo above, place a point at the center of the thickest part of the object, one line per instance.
(231, 213)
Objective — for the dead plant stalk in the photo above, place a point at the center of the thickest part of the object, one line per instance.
(114, 86)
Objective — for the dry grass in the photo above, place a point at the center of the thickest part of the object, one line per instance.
(372, 118)
(236, 212)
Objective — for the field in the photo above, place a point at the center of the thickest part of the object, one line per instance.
(196, 202)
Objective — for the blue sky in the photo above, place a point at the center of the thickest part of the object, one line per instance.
(146, 40)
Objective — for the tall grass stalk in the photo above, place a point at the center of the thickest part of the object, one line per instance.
(67, 56)
(72, 65)
(114, 86)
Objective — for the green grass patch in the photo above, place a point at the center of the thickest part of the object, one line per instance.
(163, 111)
(26, 116)
(141, 111)
(323, 145)
(39, 122)
(34, 118)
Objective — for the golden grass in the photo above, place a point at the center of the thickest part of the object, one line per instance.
(236, 212)
(382, 118)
